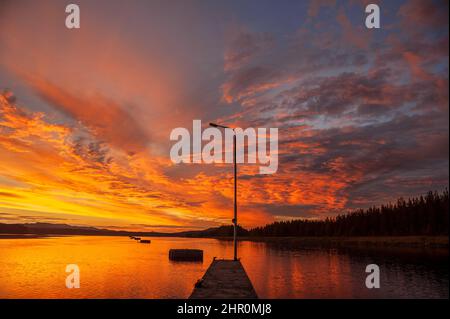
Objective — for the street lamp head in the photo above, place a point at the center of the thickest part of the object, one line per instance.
(218, 125)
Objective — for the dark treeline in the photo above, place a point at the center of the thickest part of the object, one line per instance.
(424, 215)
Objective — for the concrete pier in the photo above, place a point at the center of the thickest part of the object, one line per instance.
(224, 279)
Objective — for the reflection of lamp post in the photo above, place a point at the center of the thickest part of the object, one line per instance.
(235, 187)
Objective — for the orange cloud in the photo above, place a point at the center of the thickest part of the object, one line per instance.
(81, 179)
(106, 120)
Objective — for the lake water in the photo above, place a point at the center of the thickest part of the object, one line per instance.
(118, 267)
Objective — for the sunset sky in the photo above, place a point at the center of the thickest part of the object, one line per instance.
(86, 114)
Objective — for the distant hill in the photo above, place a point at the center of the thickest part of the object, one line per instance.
(222, 231)
(65, 229)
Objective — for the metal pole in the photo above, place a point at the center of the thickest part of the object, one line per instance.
(235, 198)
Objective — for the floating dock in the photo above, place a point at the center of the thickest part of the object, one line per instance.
(224, 279)
(186, 254)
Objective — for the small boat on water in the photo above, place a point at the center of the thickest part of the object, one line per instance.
(137, 238)
(145, 241)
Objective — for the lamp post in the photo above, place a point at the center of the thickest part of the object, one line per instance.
(235, 187)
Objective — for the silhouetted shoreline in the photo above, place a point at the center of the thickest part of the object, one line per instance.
(25, 236)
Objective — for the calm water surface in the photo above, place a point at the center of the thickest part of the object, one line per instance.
(118, 267)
